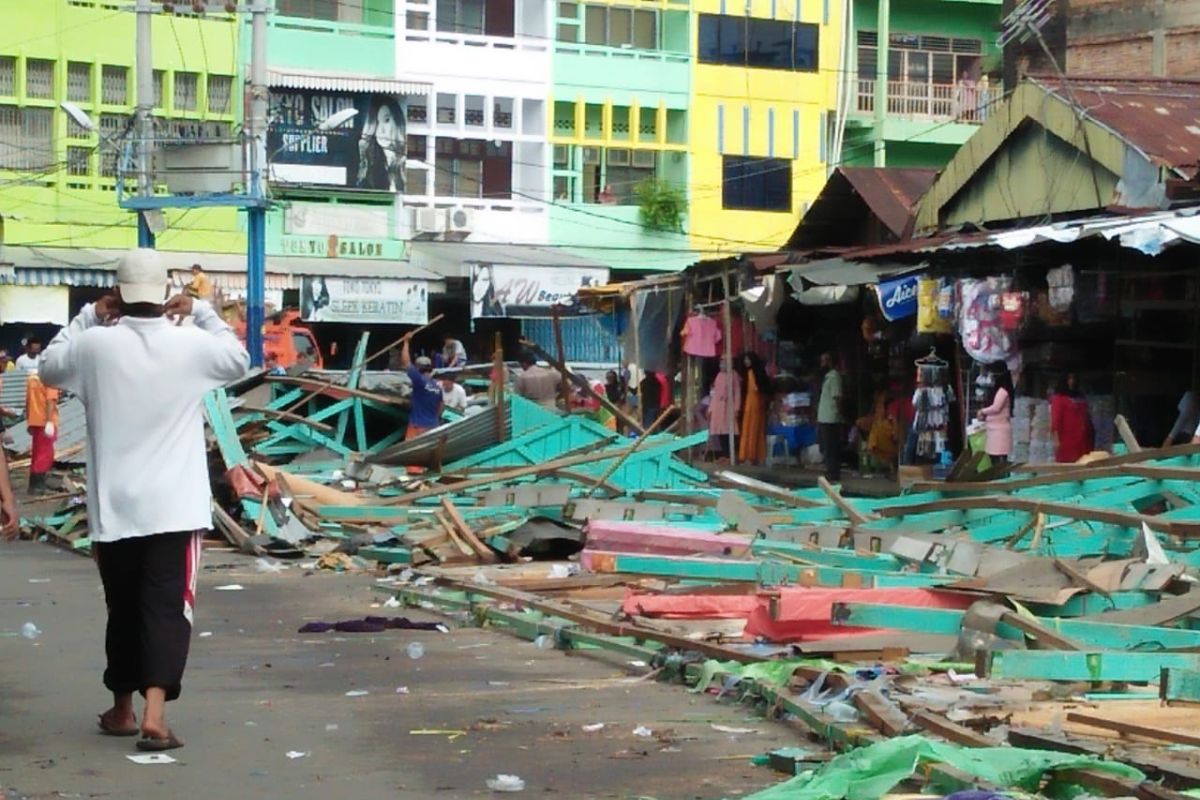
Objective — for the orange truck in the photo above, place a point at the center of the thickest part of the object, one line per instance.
(286, 341)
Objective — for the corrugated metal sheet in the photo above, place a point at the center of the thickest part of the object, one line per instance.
(300, 79)
(841, 213)
(584, 338)
(454, 440)
(1159, 117)
(72, 431)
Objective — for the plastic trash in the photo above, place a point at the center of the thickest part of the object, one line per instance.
(391, 602)
(594, 727)
(357, 693)
(841, 711)
(266, 566)
(294, 754)
(543, 642)
(415, 650)
(643, 731)
(505, 783)
(30, 631)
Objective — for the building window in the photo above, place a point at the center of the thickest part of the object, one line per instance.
(934, 76)
(309, 9)
(502, 112)
(160, 78)
(8, 76)
(39, 78)
(761, 43)
(416, 173)
(418, 109)
(417, 20)
(114, 85)
(78, 161)
(26, 138)
(187, 91)
(220, 94)
(756, 184)
(620, 27)
(79, 82)
(477, 17)
(473, 111)
(473, 168)
(110, 125)
(447, 109)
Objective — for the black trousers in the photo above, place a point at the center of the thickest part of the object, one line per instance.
(831, 449)
(150, 590)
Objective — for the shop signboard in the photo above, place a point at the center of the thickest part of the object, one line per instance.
(334, 246)
(898, 298)
(366, 152)
(504, 290)
(363, 300)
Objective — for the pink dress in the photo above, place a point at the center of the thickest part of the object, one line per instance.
(718, 407)
(998, 419)
(701, 336)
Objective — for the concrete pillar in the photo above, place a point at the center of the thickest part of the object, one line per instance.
(881, 80)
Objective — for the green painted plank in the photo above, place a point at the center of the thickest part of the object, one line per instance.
(770, 573)
(1098, 635)
(829, 557)
(1084, 666)
(387, 555)
(1177, 684)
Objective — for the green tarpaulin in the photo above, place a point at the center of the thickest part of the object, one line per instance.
(868, 773)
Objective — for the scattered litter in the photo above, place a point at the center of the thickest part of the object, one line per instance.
(592, 728)
(392, 602)
(450, 732)
(415, 650)
(30, 631)
(643, 731)
(294, 754)
(499, 683)
(506, 783)
(266, 566)
(638, 664)
(151, 758)
(332, 726)
(372, 625)
(729, 729)
(205, 634)
(229, 587)
(543, 642)
(357, 693)
(563, 570)
(39, 580)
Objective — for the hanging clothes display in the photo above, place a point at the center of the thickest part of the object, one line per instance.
(929, 315)
(931, 409)
(701, 335)
(724, 403)
(979, 324)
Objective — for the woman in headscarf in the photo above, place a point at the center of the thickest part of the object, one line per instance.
(1070, 421)
(752, 447)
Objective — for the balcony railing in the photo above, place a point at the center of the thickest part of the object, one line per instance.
(963, 101)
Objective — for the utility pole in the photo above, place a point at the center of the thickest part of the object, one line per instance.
(144, 115)
(882, 56)
(256, 222)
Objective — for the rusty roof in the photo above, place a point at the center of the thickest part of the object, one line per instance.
(890, 194)
(1160, 117)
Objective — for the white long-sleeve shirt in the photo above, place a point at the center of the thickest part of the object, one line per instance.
(142, 383)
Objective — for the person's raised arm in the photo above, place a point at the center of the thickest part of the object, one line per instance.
(58, 366)
(405, 355)
(227, 358)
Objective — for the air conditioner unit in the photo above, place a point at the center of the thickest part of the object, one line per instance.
(618, 157)
(460, 220)
(427, 220)
(644, 159)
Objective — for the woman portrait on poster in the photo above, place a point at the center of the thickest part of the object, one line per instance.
(381, 147)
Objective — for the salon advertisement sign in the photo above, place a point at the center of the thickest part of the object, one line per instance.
(898, 298)
(364, 152)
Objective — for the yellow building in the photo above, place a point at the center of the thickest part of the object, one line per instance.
(763, 92)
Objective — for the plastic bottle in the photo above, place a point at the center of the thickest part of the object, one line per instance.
(30, 631)
(842, 711)
(415, 650)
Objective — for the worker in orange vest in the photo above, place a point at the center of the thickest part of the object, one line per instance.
(41, 416)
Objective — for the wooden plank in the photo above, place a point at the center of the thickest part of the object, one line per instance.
(951, 731)
(455, 537)
(1126, 433)
(1173, 771)
(1039, 632)
(1007, 503)
(1095, 667)
(584, 386)
(1165, 611)
(1133, 729)
(457, 522)
(616, 464)
(771, 491)
(334, 391)
(853, 514)
(1179, 686)
(883, 716)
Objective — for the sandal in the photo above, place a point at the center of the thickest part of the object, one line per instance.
(155, 744)
(108, 730)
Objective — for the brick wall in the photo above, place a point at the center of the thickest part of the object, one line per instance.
(1183, 54)
(1111, 59)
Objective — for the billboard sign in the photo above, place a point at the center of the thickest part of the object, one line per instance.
(503, 290)
(365, 152)
(363, 300)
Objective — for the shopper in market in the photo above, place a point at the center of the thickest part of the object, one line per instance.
(752, 446)
(1070, 421)
(997, 416)
(723, 407)
(829, 418)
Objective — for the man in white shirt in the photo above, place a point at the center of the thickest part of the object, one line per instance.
(142, 377)
(453, 394)
(453, 352)
(28, 361)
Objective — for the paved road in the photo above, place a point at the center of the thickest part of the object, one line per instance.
(256, 689)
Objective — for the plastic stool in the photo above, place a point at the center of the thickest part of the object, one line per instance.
(773, 442)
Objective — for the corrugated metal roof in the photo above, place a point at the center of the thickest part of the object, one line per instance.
(837, 217)
(72, 431)
(891, 193)
(301, 79)
(1157, 116)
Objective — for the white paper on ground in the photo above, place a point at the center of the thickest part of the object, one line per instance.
(151, 758)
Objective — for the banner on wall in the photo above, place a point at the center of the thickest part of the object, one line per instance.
(530, 292)
(364, 300)
(34, 304)
(897, 298)
(365, 152)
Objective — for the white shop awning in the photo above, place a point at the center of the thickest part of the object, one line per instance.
(300, 79)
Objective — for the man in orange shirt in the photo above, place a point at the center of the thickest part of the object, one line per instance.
(41, 416)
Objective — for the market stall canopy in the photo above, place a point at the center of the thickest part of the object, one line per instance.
(841, 272)
(454, 259)
(861, 206)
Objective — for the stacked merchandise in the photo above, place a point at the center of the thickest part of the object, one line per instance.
(1022, 428)
(931, 407)
(1103, 410)
(795, 409)
(1041, 441)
